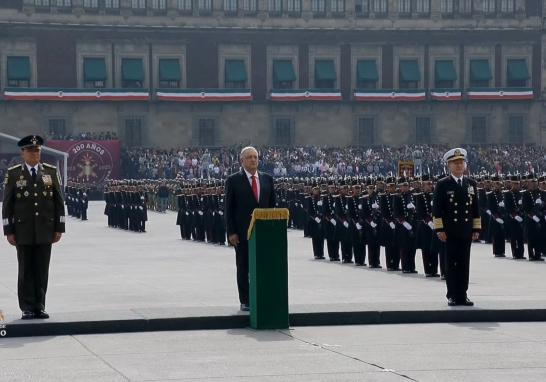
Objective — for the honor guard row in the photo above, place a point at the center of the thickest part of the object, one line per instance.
(126, 206)
(77, 200)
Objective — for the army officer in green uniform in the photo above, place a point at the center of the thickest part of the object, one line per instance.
(33, 219)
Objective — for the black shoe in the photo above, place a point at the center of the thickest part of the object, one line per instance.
(451, 302)
(414, 271)
(319, 257)
(501, 255)
(466, 302)
(520, 258)
(27, 315)
(432, 275)
(360, 264)
(334, 259)
(536, 259)
(375, 267)
(245, 307)
(393, 269)
(41, 314)
(347, 261)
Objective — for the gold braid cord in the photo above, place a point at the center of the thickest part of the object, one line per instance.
(267, 214)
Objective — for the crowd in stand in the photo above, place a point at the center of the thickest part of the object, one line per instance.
(311, 161)
(95, 136)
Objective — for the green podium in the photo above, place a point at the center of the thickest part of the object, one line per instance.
(268, 268)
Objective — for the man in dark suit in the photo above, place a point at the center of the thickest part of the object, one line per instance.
(245, 191)
(33, 218)
(457, 223)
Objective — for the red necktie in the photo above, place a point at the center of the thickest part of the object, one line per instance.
(255, 187)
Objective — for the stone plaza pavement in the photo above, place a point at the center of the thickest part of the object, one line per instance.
(469, 352)
(98, 271)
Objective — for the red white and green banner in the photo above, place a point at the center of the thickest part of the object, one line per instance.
(48, 94)
(385, 95)
(204, 95)
(500, 94)
(288, 95)
(446, 94)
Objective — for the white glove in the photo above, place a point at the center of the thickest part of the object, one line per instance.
(499, 220)
(431, 202)
(142, 208)
(519, 202)
(213, 213)
(501, 204)
(407, 226)
(221, 213)
(358, 226)
(410, 206)
(538, 201)
(187, 213)
(391, 224)
(333, 221)
(200, 213)
(431, 225)
(536, 219)
(488, 212)
(373, 224)
(518, 218)
(346, 225)
(317, 220)
(319, 203)
(360, 206)
(375, 206)
(122, 206)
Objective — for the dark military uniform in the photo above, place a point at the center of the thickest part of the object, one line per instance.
(495, 210)
(33, 211)
(456, 212)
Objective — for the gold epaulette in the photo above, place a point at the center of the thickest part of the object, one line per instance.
(14, 167)
(49, 165)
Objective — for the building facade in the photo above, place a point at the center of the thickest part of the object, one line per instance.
(168, 73)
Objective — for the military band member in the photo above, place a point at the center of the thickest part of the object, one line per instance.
(404, 213)
(33, 218)
(457, 222)
(372, 219)
(388, 226)
(356, 225)
(330, 226)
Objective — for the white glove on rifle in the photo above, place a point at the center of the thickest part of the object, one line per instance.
(358, 226)
(407, 226)
(518, 218)
(391, 224)
(411, 206)
(536, 219)
(317, 220)
(431, 225)
(333, 221)
(499, 220)
(346, 225)
(373, 224)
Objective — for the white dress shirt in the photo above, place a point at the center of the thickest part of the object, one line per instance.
(249, 177)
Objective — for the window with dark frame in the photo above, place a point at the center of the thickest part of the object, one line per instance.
(57, 128)
(283, 131)
(185, 6)
(479, 130)
(366, 131)
(423, 132)
(515, 129)
(249, 6)
(206, 133)
(380, 8)
(362, 8)
(133, 132)
(275, 7)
